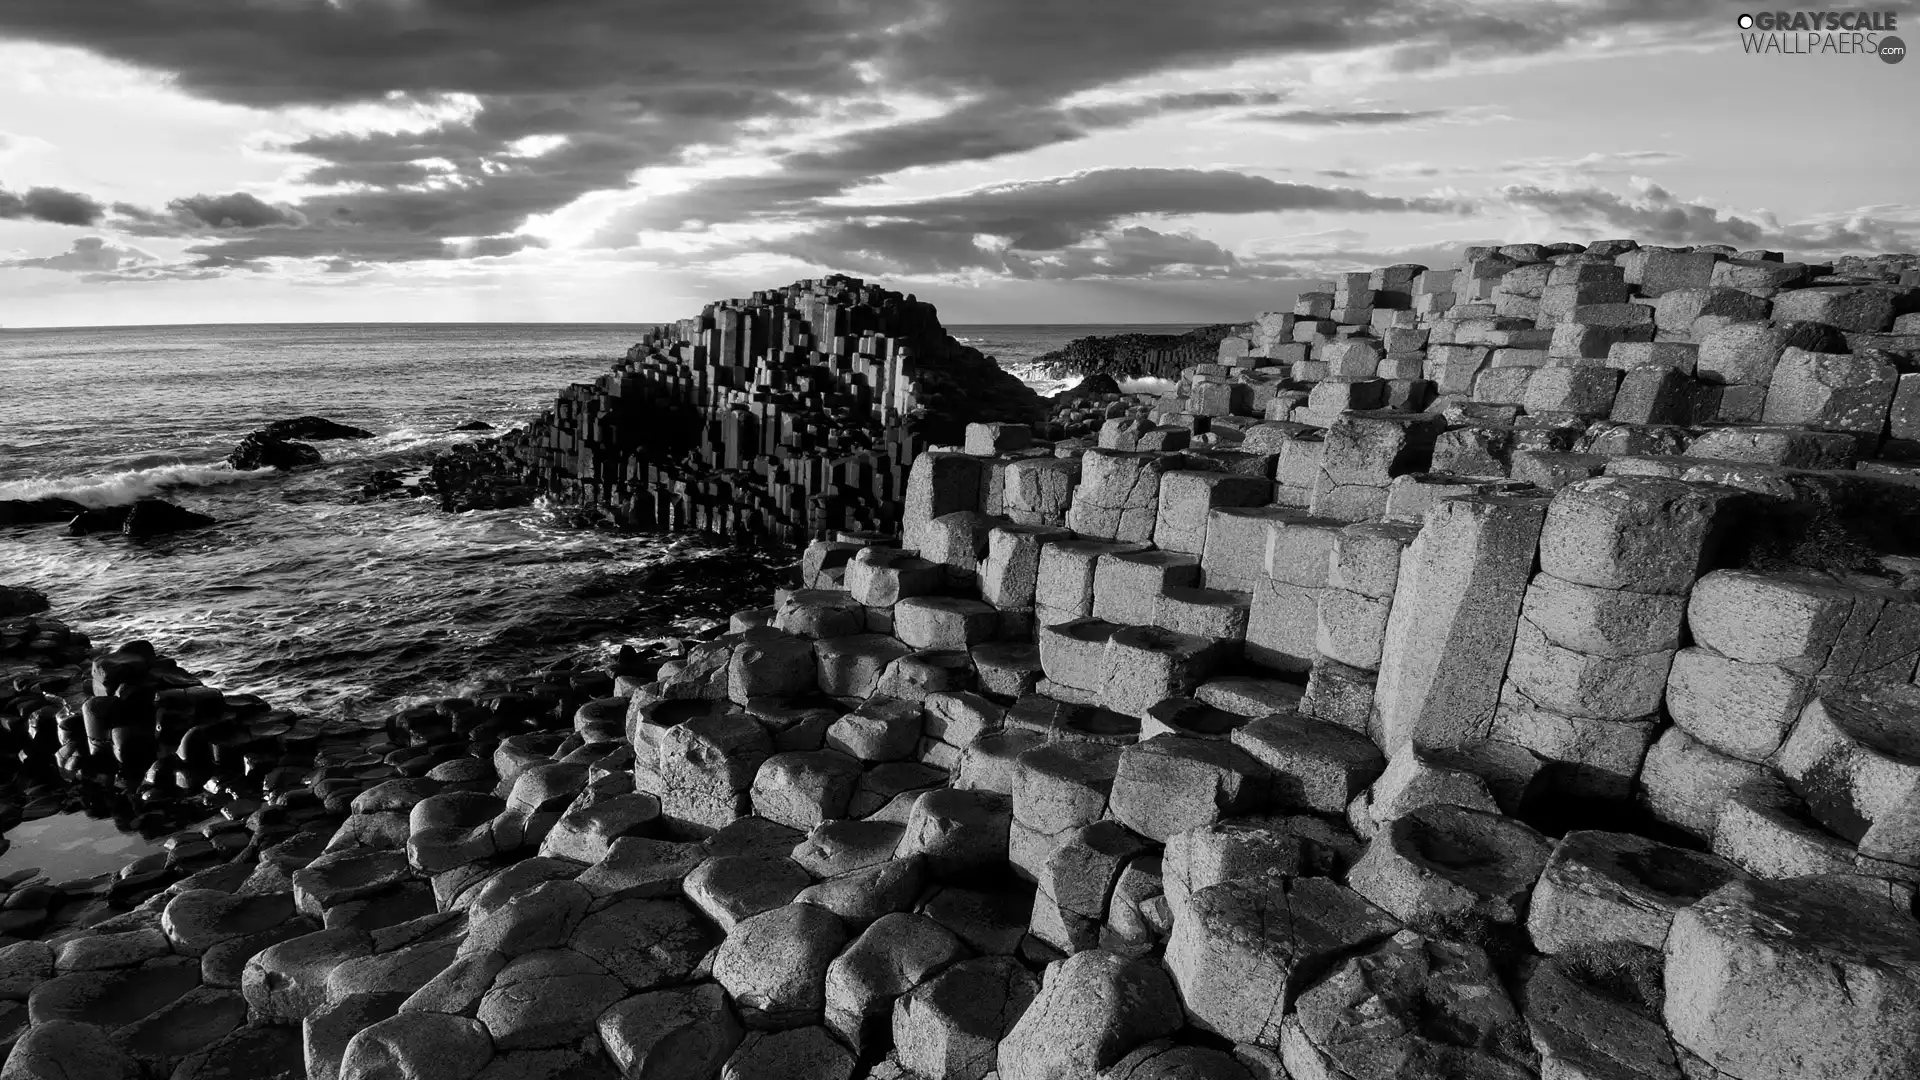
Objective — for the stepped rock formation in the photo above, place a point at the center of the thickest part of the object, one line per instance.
(787, 415)
(1123, 356)
(1506, 673)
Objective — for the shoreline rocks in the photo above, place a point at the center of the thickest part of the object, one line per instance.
(1384, 700)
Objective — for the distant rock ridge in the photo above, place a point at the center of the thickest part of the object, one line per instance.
(1130, 356)
(787, 415)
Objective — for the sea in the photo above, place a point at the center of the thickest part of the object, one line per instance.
(306, 592)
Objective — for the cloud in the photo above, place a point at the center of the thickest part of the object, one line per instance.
(1079, 224)
(1055, 212)
(1598, 163)
(200, 214)
(89, 254)
(53, 205)
(1320, 118)
(1655, 215)
(612, 87)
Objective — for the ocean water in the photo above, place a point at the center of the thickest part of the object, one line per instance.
(306, 593)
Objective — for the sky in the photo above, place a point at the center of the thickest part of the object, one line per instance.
(1065, 161)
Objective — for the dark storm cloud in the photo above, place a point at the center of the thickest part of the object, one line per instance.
(1055, 212)
(1655, 215)
(195, 214)
(1061, 227)
(631, 85)
(1351, 118)
(88, 254)
(52, 205)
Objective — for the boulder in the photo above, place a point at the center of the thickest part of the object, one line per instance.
(1602, 886)
(1410, 1006)
(1778, 980)
(1451, 871)
(774, 965)
(262, 451)
(686, 1033)
(1093, 1008)
(951, 1025)
(1241, 949)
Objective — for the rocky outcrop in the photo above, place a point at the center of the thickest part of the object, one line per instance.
(263, 451)
(38, 511)
(312, 429)
(1308, 720)
(1132, 356)
(18, 600)
(787, 415)
(141, 519)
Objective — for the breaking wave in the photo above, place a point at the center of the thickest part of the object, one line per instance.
(120, 488)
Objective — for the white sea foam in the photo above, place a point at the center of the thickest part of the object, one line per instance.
(118, 489)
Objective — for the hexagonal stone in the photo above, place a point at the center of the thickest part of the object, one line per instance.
(1602, 886)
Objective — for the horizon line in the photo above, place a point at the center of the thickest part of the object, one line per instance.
(451, 322)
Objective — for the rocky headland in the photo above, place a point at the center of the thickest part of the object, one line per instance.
(1133, 356)
(1503, 671)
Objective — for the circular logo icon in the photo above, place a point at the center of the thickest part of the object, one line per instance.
(1892, 50)
(1746, 22)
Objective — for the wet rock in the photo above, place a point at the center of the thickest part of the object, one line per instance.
(313, 429)
(645, 943)
(68, 1050)
(199, 919)
(262, 451)
(687, 1033)
(542, 917)
(399, 971)
(1592, 1025)
(23, 966)
(951, 1025)
(959, 832)
(191, 1023)
(730, 888)
(1813, 976)
(1450, 870)
(807, 1053)
(547, 998)
(325, 1035)
(641, 868)
(1167, 1060)
(1093, 1008)
(113, 999)
(1601, 887)
(774, 965)
(252, 1052)
(95, 952)
(1241, 948)
(591, 824)
(347, 875)
(890, 958)
(864, 895)
(418, 1046)
(1411, 1006)
(287, 982)
(157, 517)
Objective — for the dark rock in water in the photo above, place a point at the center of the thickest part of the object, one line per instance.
(37, 511)
(478, 476)
(152, 517)
(314, 428)
(99, 519)
(17, 600)
(474, 425)
(262, 451)
(148, 517)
